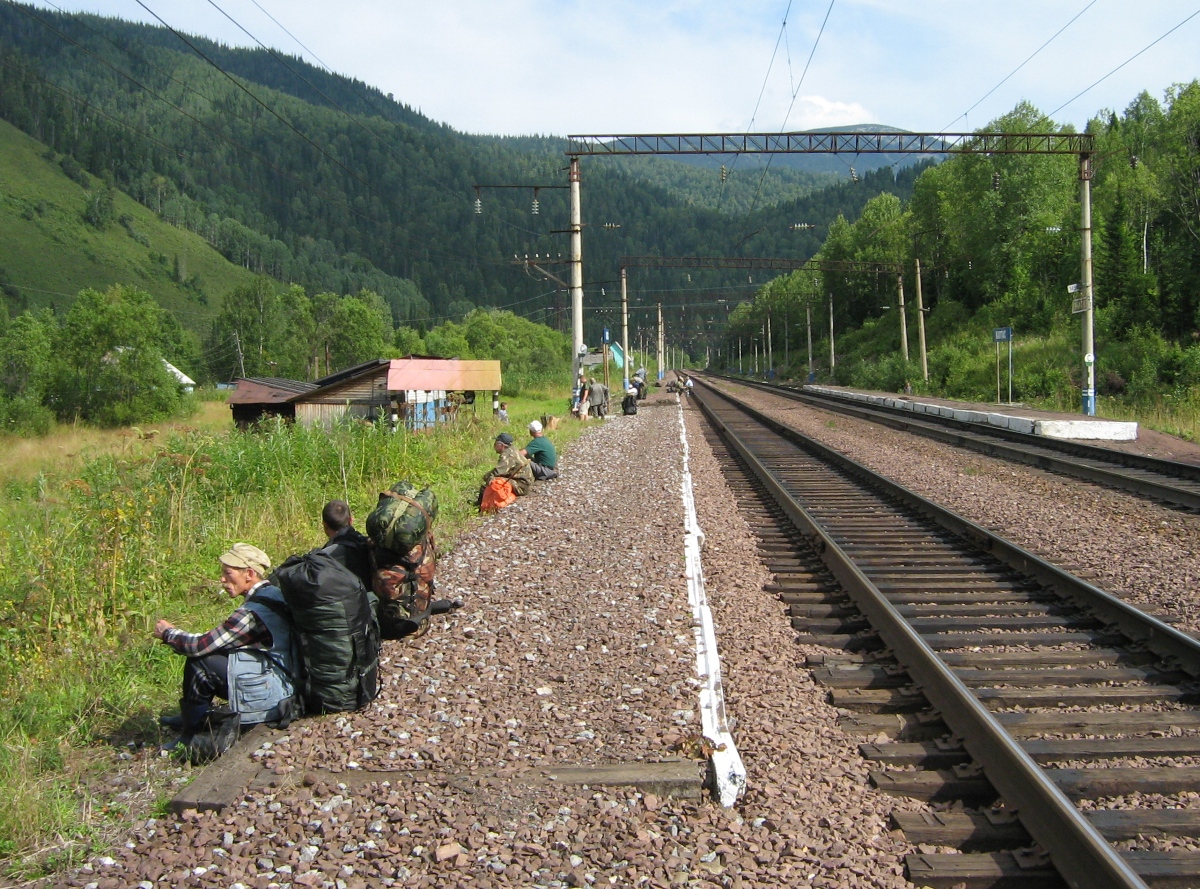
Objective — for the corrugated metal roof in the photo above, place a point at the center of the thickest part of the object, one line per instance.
(402, 374)
(267, 390)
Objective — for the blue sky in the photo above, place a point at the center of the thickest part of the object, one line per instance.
(630, 66)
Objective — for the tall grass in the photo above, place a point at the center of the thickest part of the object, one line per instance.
(90, 559)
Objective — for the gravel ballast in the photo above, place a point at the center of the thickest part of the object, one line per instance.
(575, 647)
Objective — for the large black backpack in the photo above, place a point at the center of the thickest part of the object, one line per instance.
(336, 632)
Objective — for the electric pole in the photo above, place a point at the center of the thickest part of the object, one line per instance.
(832, 359)
(660, 356)
(921, 326)
(903, 319)
(576, 268)
(625, 329)
(808, 319)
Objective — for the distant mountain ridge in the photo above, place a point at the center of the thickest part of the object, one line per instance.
(384, 188)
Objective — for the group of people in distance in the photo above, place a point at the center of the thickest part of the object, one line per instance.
(517, 469)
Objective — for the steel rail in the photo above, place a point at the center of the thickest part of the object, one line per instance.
(1077, 850)
(1031, 450)
(1178, 648)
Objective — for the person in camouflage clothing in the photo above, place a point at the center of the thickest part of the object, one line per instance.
(511, 465)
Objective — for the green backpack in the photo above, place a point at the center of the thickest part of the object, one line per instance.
(402, 518)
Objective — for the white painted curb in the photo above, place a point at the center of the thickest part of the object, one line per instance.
(729, 772)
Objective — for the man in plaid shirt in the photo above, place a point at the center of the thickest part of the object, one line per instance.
(205, 674)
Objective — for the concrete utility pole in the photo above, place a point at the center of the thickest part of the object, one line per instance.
(832, 359)
(576, 268)
(808, 319)
(625, 330)
(903, 320)
(740, 370)
(921, 326)
(1089, 354)
(660, 355)
(770, 350)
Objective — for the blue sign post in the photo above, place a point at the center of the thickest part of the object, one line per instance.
(1003, 335)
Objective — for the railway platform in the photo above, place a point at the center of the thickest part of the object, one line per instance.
(1017, 418)
(550, 733)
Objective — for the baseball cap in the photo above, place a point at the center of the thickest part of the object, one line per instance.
(504, 438)
(243, 555)
(535, 426)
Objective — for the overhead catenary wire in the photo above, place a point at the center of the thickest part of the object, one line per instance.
(1030, 58)
(1124, 63)
(762, 91)
(795, 93)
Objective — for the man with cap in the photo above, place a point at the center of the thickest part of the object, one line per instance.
(512, 465)
(248, 659)
(597, 398)
(541, 454)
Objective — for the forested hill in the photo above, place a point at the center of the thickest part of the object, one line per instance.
(320, 179)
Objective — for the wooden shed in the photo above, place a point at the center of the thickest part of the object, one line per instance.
(256, 398)
(414, 392)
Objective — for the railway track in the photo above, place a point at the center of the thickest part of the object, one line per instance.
(1166, 481)
(1025, 705)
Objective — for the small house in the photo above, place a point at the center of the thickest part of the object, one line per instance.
(258, 398)
(414, 392)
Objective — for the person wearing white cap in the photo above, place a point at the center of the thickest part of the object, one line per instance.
(540, 451)
(629, 402)
(247, 659)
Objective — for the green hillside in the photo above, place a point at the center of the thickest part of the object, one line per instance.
(49, 252)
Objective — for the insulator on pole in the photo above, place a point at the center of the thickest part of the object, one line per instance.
(478, 207)
(996, 181)
(853, 175)
(724, 173)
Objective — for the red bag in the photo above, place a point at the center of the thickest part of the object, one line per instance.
(497, 494)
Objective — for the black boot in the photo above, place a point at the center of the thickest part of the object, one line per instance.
(174, 723)
(192, 719)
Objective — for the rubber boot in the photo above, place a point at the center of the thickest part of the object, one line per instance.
(193, 718)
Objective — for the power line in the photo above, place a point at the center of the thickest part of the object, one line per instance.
(1124, 63)
(796, 92)
(249, 93)
(762, 91)
(235, 143)
(443, 253)
(1022, 65)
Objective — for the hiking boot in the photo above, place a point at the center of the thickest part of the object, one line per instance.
(174, 723)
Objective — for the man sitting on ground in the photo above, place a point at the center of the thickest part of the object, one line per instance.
(253, 645)
(512, 465)
(346, 543)
(540, 451)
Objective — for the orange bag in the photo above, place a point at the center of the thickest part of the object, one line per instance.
(497, 494)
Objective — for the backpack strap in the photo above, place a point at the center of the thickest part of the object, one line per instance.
(420, 508)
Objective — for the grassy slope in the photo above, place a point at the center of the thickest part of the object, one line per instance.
(54, 255)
